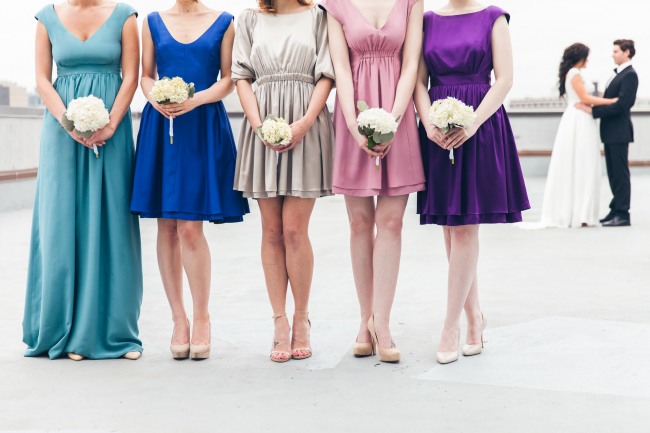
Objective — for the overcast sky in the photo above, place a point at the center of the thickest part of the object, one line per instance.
(540, 32)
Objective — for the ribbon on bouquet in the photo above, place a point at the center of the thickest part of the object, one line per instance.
(171, 130)
(377, 161)
(451, 156)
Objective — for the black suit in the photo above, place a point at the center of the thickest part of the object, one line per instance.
(617, 132)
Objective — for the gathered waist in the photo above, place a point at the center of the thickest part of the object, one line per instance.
(288, 76)
(459, 79)
(88, 69)
(379, 54)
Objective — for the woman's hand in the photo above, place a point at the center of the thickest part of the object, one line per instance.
(362, 142)
(457, 136)
(612, 101)
(99, 137)
(174, 110)
(78, 139)
(160, 108)
(298, 131)
(435, 134)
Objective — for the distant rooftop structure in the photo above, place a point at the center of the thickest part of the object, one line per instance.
(13, 95)
(559, 104)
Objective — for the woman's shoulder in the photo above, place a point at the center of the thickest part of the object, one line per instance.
(493, 12)
(573, 72)
(248, 17)
(123, 10)
(44, 14)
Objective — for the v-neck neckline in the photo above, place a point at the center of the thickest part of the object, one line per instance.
(390, 15)
(94, 33)
(195, 40)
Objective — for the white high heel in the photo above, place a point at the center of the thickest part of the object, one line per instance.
(75, 357)
(475, 349)
(133, 356)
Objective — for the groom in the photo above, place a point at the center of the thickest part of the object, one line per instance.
(616, 131)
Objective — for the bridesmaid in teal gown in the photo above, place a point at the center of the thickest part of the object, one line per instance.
(84, 286)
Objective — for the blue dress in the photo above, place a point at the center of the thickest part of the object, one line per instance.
(191, 179)
(84, 287)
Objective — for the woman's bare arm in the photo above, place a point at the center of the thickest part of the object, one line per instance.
(411, 54)
(339, 52)
(502, 60)
(584, 96)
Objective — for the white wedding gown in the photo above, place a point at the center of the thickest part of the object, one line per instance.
(572, 192)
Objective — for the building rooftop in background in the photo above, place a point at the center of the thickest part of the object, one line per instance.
(559, 104)
(15, 95)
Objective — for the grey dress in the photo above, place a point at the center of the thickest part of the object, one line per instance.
(284, 56)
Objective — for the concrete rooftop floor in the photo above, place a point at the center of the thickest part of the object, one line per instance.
(567, 350)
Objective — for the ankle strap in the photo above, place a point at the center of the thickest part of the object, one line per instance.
(277, 316)
(301, 313)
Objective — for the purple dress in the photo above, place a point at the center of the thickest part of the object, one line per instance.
(485, 185)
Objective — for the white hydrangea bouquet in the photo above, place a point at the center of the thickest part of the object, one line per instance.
(172, 90)
(377, 124)
(85, 116)
(450, 113)
(275, 131)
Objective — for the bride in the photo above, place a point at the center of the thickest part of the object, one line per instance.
(572, 188)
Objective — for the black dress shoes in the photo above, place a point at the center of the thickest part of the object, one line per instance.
(617, 221)
(609, 217)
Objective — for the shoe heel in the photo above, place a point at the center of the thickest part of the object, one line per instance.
(200, 352)
(180, 351)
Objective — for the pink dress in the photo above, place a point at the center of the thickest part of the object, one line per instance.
(376, 62)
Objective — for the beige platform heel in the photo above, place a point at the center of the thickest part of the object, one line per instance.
(180, 351)
(199, 352)
(391, 354)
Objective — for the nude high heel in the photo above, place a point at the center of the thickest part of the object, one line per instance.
(361, 350)
(448, 357)
(301, 352)
(199, 352)
(180, 351)
(391, 354)
(475, 349)
(278, 355)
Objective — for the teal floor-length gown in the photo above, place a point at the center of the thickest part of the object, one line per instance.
(84, 287)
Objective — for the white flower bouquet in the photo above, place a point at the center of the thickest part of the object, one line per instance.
(275, 131)
(85, 116)
(377, 124)
(171, 90)
(450, 113)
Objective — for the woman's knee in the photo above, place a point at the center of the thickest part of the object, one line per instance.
(390, 223)
(361, 222)
(190, 232)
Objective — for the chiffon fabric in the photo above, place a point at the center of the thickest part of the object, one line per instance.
(376, 62)
(84, 286)
(572, 192)
(284, 56)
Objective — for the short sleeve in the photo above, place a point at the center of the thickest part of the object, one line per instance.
(330, 7)
(125, 12)
(496, 12)
(242, 68)
(324, 67)
(45, 16)
(572, 73)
